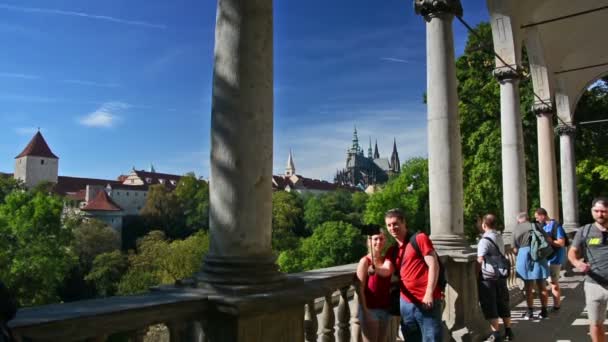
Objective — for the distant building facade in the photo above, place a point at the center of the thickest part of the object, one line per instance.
(367, 171)
(106, 200)
(290, 181)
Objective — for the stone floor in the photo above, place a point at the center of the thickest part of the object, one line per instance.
(570, 324)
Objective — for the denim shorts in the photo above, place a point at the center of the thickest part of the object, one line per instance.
(375, 314)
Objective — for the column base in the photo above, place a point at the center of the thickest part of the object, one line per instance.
(240, 274)
(570, 227)
(449, 242)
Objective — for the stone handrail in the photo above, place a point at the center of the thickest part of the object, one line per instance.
(95, 320)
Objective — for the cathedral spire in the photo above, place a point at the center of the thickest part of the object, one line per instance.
(290, 170)
(376, 153)
(395, 163)
(369, 150)
(355, 148)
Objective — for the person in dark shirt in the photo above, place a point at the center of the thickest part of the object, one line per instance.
(589, 253)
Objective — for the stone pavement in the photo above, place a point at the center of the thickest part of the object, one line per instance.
(570, 324)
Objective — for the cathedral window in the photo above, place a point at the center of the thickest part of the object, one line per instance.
(41, 161)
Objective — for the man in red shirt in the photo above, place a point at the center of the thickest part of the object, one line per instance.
(420, 295)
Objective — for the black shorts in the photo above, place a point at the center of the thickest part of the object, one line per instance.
(494, 298)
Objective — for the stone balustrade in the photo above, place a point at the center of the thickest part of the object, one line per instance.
(330, 313)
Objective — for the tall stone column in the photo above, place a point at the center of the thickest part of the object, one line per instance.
(511, 132)
(240, 186)
(445, 160)
(568, 173)
(547, 169)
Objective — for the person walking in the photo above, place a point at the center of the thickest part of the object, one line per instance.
(374, 281)
(421, 298)
(558, 242)
(532, 272)
(493, 291)
(589, 253)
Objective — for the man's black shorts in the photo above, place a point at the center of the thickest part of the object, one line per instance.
(494, 298)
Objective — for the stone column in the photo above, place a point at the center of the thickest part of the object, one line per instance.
(445, 160)
(547, 169)
(568, 173)
(241, 148)
(511, 132)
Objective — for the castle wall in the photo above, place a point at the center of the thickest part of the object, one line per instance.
(33, 170)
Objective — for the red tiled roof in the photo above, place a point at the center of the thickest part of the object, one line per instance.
(37, 147)
(66, 185)
(102, 202)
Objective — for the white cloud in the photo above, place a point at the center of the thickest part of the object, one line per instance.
(17, 75)
(392, 59)
(81, 14)
(104, 116)
(92, 83)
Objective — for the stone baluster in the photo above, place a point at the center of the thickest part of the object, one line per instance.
(547, 169)
(137, 335)
(328, 320)
(355, 325)
(343, 316)
(178, 331)
(310, 322)
(445, 160)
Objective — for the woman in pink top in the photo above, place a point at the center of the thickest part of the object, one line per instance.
(374, 275)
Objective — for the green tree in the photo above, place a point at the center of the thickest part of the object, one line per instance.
(35, 251)
(408, 191)
(106, 272)
(163, 211)
(92, 238)
(287, 220)
(331, 206)
(193, 197)
(9, 184)
(332, 243)
(159, 261)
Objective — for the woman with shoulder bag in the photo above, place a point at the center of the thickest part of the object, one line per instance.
(374, 280)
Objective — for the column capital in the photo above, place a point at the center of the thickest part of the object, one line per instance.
(543, 108)
(565, 129)
(431, 8)
(507, 73)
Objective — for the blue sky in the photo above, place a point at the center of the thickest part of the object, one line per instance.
(119, 84)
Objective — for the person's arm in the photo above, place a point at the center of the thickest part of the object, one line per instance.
(362, 282)
(560, 240)
(576, 260)
(386, 270)
(574, 253)
(433, 264)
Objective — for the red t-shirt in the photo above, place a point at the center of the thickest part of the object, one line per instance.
(377, 290)
(414, 272)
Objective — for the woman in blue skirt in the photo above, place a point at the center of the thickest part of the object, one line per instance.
(530, 271)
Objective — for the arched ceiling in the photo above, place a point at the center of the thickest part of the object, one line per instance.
(572, 36)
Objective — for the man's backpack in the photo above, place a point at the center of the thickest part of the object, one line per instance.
(554, 229)
(442, 280)
(500, 265)
(540, 248)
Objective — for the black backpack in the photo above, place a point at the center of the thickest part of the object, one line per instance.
(501, 266)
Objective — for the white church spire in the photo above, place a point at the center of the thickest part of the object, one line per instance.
(291, 169)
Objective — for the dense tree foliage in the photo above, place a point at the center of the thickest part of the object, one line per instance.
(408, 191)
(106, 272)
(35, 251)
(287, 220)
(92, 238)
(192, 195)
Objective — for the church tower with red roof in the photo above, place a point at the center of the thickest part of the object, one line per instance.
(36, 163)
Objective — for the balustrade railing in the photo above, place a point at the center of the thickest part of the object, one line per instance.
(96, 320)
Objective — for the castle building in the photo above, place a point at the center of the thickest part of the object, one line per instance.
(291, 181)
(102, 199)
(362, 171)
